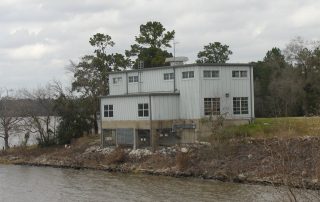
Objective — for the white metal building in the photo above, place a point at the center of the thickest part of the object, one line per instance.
(164, 105)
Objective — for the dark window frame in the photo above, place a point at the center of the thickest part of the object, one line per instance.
(187, 74)
(211, 73)
(116, 80)
(108, 110)
(239, 73)
(168, 76)
(240, 105)
(133, 79)
(143, 110)
(212, 106)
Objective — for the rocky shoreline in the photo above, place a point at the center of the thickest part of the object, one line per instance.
(276, 162)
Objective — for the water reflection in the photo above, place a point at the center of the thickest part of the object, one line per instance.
(20, 183)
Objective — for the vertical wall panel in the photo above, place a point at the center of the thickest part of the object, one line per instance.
(192, 91)
(165, 107)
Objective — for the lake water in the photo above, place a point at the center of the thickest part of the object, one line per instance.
(32, 184)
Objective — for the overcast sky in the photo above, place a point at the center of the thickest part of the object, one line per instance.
(39, 38)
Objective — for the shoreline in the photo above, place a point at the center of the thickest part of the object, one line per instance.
(246, 161)
(152, 173)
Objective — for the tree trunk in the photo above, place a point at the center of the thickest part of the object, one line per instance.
(6, 140)
(95, 124)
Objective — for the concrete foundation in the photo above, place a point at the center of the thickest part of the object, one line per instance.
(148, 133)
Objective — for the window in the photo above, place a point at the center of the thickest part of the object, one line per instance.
(188, 74)
(133, 79)
(243, 74)
(168, 76)
(240, 105)
(108, 110)
(211, 74)
(235, 74)
(143, 110)
(238, 74)
(211, 106)
(117, 80)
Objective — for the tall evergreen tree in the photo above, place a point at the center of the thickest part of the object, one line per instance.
(91, 73)
(150, 45)
(214, 53)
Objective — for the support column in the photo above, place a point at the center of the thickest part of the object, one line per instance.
(135, 139)
(154, 139)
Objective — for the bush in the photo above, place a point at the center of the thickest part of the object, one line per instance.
(182, 161)
(117, 156)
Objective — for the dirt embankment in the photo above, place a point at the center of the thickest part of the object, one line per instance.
(294, 162)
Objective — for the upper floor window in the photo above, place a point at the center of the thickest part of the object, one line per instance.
(188, 74)
(239, 74)
(240, 105)
(108, 110)
(133, 79)
(211, 73)
(117, 80)
(211, 106)
(143, 110)
(168, 76)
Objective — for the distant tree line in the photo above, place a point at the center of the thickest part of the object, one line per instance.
(287, 83)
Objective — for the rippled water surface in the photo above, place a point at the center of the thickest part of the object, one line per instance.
(31, 184)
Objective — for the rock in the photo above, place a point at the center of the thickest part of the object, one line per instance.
(184, 150)
(139, 153)
(167, 151)
(250, 156)
(306, 138)
(241, 177)
(304, 173)
(314, 181)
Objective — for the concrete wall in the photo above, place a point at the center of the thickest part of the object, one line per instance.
(182, 136)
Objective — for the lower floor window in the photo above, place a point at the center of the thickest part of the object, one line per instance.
(143, 110)
(108, 110)
(211, 106)
(240, 105)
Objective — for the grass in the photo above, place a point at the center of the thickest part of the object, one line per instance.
(276, 127)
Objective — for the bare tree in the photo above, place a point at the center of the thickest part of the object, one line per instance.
(9, 117)
(39, 113)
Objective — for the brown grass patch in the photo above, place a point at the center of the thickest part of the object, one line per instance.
(182, 161)
(117, 156)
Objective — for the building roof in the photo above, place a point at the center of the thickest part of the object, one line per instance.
(187, 65)
(142, 94)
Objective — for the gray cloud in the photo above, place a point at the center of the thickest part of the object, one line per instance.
(38, 38)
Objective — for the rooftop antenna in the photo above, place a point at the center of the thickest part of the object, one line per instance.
(174, 49)
(141, 64)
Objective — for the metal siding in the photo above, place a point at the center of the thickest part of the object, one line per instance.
(124, 108)
(117, 89)
(252, 94)
(192, 92)
(133, 87)
(189, 93)
(153, 81)
(236, 87)
(165, 107)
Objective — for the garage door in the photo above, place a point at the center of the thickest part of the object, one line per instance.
(125, 136)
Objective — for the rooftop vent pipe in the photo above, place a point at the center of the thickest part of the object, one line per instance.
(176, 60)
